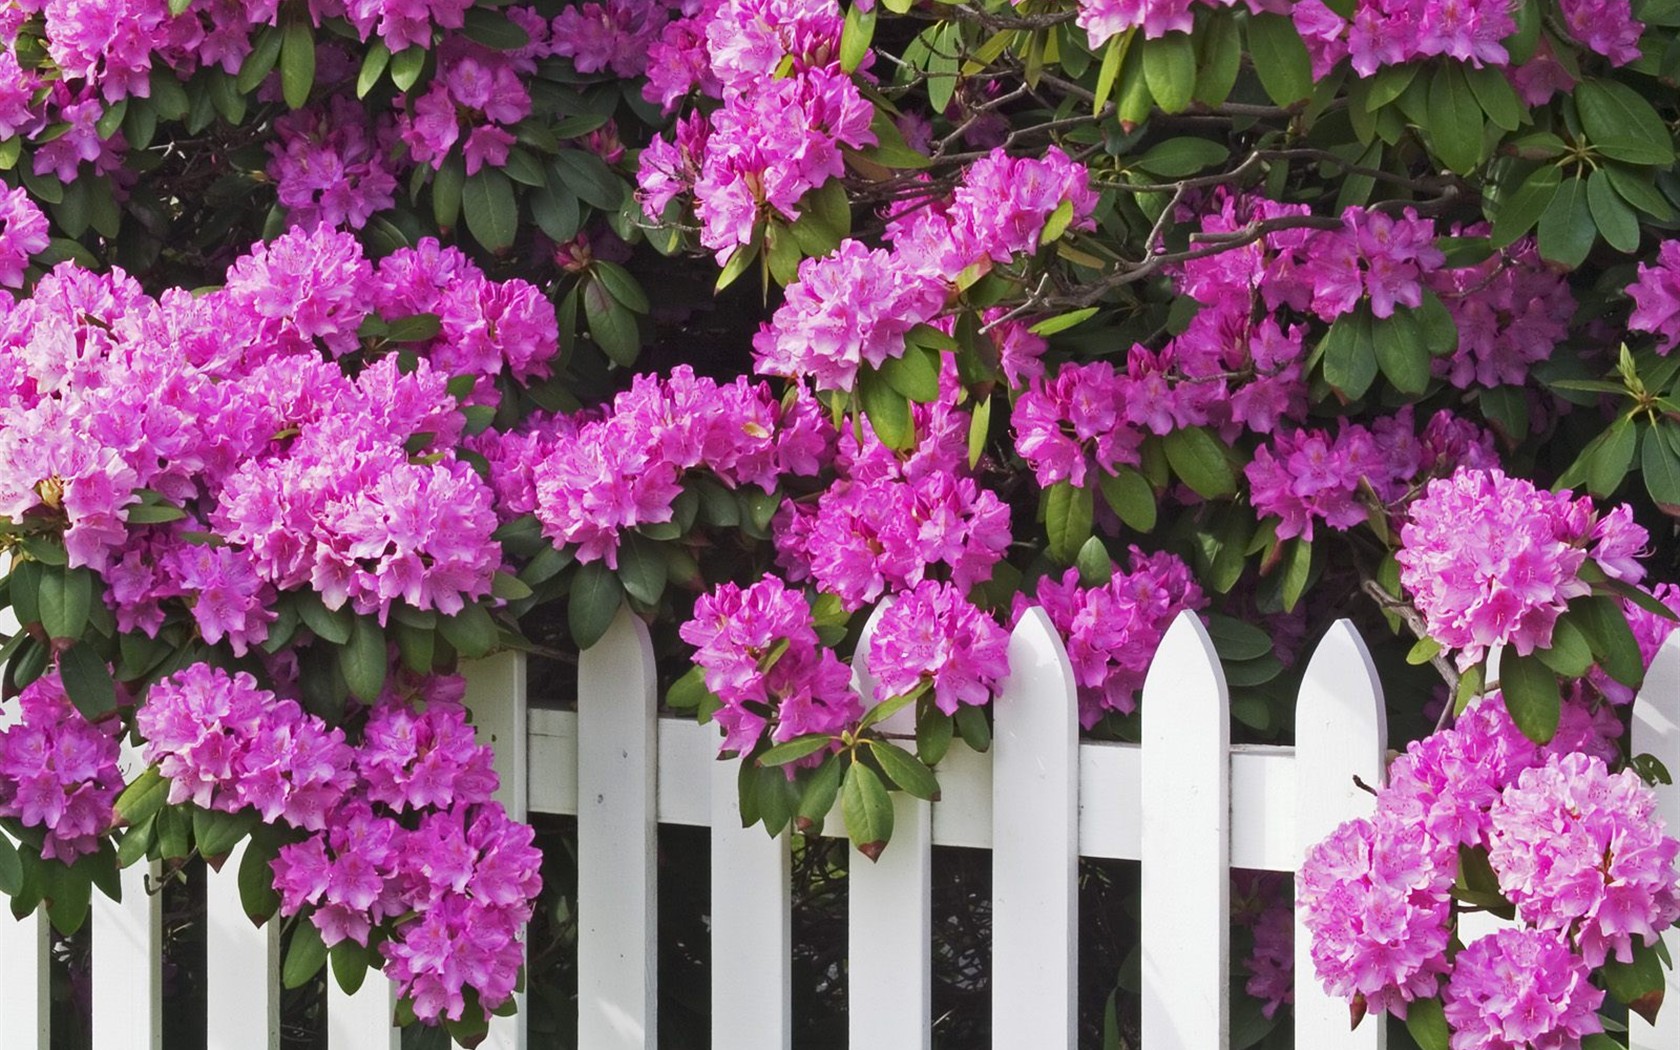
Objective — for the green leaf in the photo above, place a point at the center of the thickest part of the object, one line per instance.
(1199, 459)
(297, 63)
(1297, 572)
(1401, 353)
(1621, 124)
(1531, 695)
(448, 186)
(794, 750)
(1169, 66)
(1639, 190)
(364, 661)
(265, 52)
(819, 793)
(1610, 460)
(11, 867)
(1566, 228)
(589, 177)
(68, 892)
(1522, 209)
(1658, 463)
(1425, 650)
(979, 427)
(217, 833)
(509, 588)
(1455, 119)
(642, 568)
(1570, 655)
(87, 680)
(155, 514)
(867, 809)
(349, 959)
(1109, 71)
(66, 598)
(305, 957)
(1496, 96)
(1350, 355)
(1176, 158)
(887, 409)
(1601, 619)
(884, 710)
(1640, 983)
(934, 732)
(1062, 322)
(406, 67)
(471, 632)
(611, 324)
(373, 67)
(1221, 59)
(617, 280)
(856, 35)
(256, 880)
(1095, 567)
(492, 213)
(1130, 496)
(915, 374)
(140, 801)
(738, 262)
(1067, 519)
(1614, 218)
(594, 601)
(494, 30)
(1237, 641)
(906, 770)
(973, 727)
(1280, 58)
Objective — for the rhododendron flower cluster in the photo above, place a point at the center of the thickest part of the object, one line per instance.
(23, 232)
(931, 635)
(613, 474)
(224, 743)
(1306, 476)
(1490, 559)
(57, 772)
(1656, 297)
(1510, 311)
(889, 521)
(1112, 631)
(1580, 851)
(1264, 903)
(758, 648)
(1514, 989)
(331, 165)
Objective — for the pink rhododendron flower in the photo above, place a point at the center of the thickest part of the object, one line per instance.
(1515, 989)
(1656, 297)
(932, 635)
(58, 772)
(23, 232)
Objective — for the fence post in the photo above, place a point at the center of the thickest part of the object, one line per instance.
(363, 1021)
(1341, 732)
(1656, 731)
(1186, 844)
(889, 966)
(618, 762)
(128, 956)
(752, 926)
(242, 967)
(25, 966)
(496, 697)
(1035, 844)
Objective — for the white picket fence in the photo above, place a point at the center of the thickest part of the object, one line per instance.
(1184, 802)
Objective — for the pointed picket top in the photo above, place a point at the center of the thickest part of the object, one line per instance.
(1035, 842)
(1341, 732)
(1656, 731)
(1186, 843)
(617, 896)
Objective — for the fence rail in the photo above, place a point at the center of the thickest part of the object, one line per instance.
(1184, 802)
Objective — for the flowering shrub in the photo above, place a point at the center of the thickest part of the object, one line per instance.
(318, 376)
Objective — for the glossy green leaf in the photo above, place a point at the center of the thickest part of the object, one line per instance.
(265, 52)
(87, 680)
(594, 601)
(1280, 58)
(493, 29)
(1130, 496)
(1199, 459)
(1566, 227)
(374, 64)
(471, 632)
(1350, 356)
(1169, 66)
(407, 65)
(1638, 984)
(589, 177)
(611, 324)
(1220, 59)
(305, 957)
(491, 210)
(1660, 466)
(1067, 519)
(1401, 353)
(363, 660)
(216, 833)
(1621, 124)
(1614, 217)
(906, 770)
(1531, 695)
(1496, 96)
(1519, 211)
(887, 409)
(1570, 655)
(141, 800)
(66, 598)
(1455, 119)
(867, 809)
(856, 35)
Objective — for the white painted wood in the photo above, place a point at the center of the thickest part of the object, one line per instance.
(128, 955)
(889, 969)
(1035, 843)
(1341, 732)
(242, 967)
(1186, 931)
(496, 697)
(1656, 731)
(25, 971)
(1262, 790)
(363, 1021)
(752, 925)
(618, 937)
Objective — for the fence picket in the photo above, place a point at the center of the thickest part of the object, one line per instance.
(1035, 843)
(889, 966)
(1186, 842)
(363, 1021)
(25, 970)
(618, 939)
(752, 927)
(1341, 732)
(128, 955)
(1656, 731)
(496, 696)
(242, 967)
